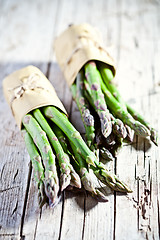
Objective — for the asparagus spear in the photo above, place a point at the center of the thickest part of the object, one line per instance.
(137, 116)
(61, 120)
(86, 178)
(92, 76)
(109, 178)
(121, 113)
(87, 118)
(63, 158)
(107, 76)
(51, 181)
(62, 138)
(37, 166)
(75, 180)
(118, 128)
(117, 125)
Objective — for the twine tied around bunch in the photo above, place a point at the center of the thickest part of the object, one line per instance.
(30, 82)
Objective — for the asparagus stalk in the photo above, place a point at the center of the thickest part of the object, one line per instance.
(117, 125)
(63, 158)
(83, 106)
(61, 120)
(107, 76)
(92, 76)
(121, 113)
(37, 166)
(75, 179)
(51, 181)
(138, 117)
(62, 138)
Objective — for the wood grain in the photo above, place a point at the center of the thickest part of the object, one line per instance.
(131, 31)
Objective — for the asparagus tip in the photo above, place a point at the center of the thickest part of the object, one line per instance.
(141, 130)
(56, 201)
(75, 179)
(64, 180)
(154, 136)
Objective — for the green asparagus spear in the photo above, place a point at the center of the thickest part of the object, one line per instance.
(137, 116)
(92, 76)
(61, 120)
(39, 137)
(37, 166)
(63, 141)
(109, 178)
(83, 106)
(117, 125)
(62, 138)
(63, 158)
(107, 76)
(75, 180)
(86, 177)
(121, 113)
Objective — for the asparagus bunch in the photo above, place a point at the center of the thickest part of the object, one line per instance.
(44, 149)
(60, 157)
(111, 121)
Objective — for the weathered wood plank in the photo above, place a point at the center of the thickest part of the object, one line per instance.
(133, 28)
(100, 217)
(137, 214)
(82, 222)
(22, 43)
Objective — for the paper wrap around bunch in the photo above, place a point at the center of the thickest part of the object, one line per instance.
(76, 46)
(28, 89)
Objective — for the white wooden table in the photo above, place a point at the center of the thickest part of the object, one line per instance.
(131, 30)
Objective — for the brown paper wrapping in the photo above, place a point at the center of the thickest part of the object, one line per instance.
(76, 46)
(28, 89)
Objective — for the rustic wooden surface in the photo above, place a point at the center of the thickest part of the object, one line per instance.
(131, 30)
